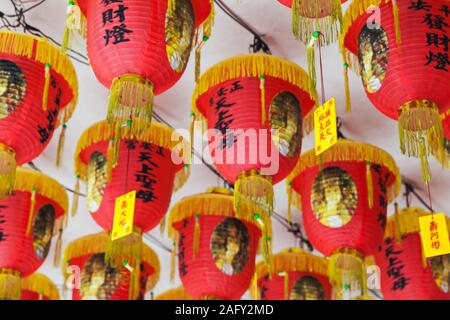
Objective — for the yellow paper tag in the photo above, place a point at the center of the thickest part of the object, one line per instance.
(325, 128)
(434, 234)
(123, 215)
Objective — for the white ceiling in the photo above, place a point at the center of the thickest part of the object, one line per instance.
(270, 18)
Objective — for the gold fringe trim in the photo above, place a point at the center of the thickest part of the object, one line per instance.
(294, 260)
(345, 266)
(98, 243)
(40, 284)
(179, 293)
(369, 182)
(257, 189)
(311, 59)
(31, 211)
(251, 65)
(408, 220)
(254, 291)
(213, 204)
(157, 134)
(8, 168)
(304, 23)
(398, 37)
(76, 24)
(58, 249)
(196, 242)
(10, 281)
(27, 180)
(346, 150)
(46, 87)
(42, 51)
(262, 88)
(131, 99)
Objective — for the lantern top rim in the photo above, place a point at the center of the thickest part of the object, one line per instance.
(157, 133)
(40, 50)
(253, 65)
(215, 204)
(347, 150)
(39, 283)
(409, 222)
(294, 260)
(97, 243)
(28, 180)
(179, 293)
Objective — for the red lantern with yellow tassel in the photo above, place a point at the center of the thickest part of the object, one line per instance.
(405, 273)
(179, 293)
(255, 108)
(403, 62)
(343, 196)
(100, 280)
(38, 92)
(216, 245)
(145, 163)
(29, 219)
(297, 275)
(139, 48)
(38, 287)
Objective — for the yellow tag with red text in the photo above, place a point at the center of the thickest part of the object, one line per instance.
(325, 127)
(123, 215)
(434, 235)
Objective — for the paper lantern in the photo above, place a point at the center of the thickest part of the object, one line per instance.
(343, 198)
(38, 287)
(255, 108)
(324, 16)
(29, 218)
(101, 280)
(179, 293)
(405, 273)
(297, 275)
(216, 245)
(405, 74)
(138, 48)
(38, 92)
(145, 164)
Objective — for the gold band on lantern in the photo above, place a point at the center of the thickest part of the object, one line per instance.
(10, 281)
(7, 170)
(40, 284)
(420, 132)
(179, 293)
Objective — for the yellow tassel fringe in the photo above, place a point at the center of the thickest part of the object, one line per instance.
(179, 293)
(39, 283)
(46, 87)
(31, 211)
(58, 248)
(196, 242)
(8, 168)
(9, 284)
(262, 88)
(173, 258)
(369, 182)
(398, 233)
(346, 266)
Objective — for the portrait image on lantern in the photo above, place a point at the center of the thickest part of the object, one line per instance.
(98, 279)
(97, 178)
(440, 266)
(230, 246)
(180, 28)
(286, 123)
(334, 197)
(12, 87)
(373, 50)
(307, 288)
(44, 222)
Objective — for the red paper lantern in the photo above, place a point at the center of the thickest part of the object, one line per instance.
(138, 48)
(179, 293)
(324, 16)
(29, 218)
(102, 280)
(405, 75)
(242, 100)
(38, 93)
(344, 204)
(145, 164)
(297, 275)
(216, 246)
(405, 273)
(38, 287)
